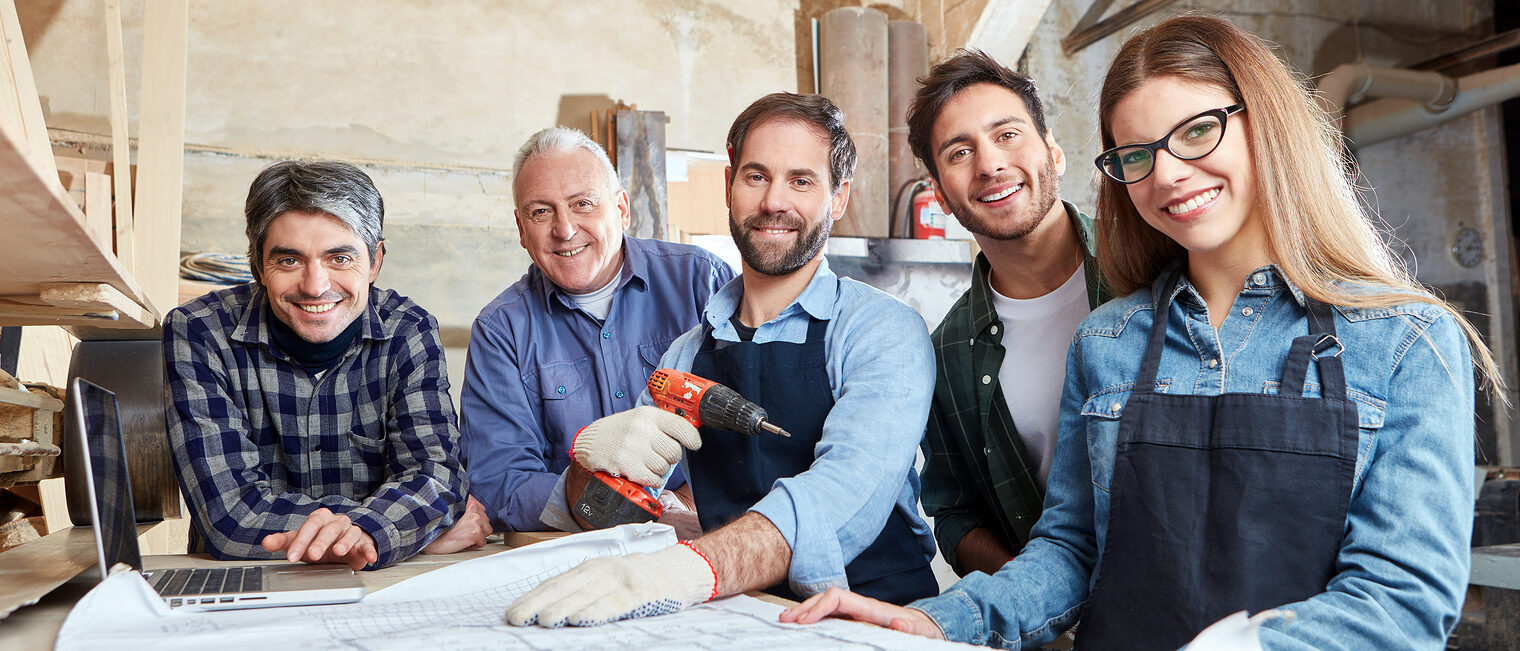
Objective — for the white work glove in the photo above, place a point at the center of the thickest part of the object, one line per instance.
(604, 590)
(640, 444)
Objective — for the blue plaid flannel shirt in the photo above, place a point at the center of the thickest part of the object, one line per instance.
(259, 442)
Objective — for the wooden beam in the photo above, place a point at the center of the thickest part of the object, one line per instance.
(96, 296)
(121, 146)
(1083, 37)
(161, 151)
(23, 91)
(1005, 27)
(97, 207)
(1487, 47)
(45, 239)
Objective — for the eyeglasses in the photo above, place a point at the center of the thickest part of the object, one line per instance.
(1196, 137)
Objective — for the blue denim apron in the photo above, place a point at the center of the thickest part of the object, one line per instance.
(1223, 503)
(732, 471)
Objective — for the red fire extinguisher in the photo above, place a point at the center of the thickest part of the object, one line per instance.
(928, 216)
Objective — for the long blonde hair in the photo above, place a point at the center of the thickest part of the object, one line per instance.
(1316, 229)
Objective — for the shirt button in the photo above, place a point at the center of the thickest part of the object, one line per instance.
(1246, 311)
(1259, 278)
(606, 334)
(561, 390)
(1114, 408)
(987, 451)
(994, 329)
(1213, 363)
(970, 342)
(986, 379)
(620, 393)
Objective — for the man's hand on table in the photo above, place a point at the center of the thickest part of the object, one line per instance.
(835, 602)
(325, 537)
(468, 532)
(608, 589)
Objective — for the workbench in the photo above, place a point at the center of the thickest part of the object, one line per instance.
(35, 627)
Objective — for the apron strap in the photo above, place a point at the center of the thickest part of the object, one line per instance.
(1145, 381)
(1319, 345)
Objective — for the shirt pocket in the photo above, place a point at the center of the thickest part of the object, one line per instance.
(558, 380)
(1101, 414)
(651, 353)
(368, 456)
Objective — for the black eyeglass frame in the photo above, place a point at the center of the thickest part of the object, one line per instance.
(1165, 143)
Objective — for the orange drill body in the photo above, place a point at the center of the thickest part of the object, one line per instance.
(609, 501)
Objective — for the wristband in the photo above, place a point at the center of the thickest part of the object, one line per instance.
(710, 567)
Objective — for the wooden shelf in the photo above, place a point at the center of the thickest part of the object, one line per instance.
(52, 272)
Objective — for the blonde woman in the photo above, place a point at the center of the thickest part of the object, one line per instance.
(1276, 418)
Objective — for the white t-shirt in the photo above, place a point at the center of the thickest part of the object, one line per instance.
(1036, 335)
(598, 302)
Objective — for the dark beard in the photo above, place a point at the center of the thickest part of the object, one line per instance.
(1018, 228)
(808, 244)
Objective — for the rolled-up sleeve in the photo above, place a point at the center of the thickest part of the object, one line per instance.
(882, 366)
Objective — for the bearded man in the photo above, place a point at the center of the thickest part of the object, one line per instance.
(980, 130)
(846, 369)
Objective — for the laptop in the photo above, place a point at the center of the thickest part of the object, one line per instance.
(225, 587)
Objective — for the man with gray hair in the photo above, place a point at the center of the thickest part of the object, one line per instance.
(845, 368)
(576, 338)
(308, 410)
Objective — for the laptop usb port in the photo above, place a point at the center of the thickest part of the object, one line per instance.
(226, 600)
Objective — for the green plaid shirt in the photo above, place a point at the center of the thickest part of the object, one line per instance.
(976, 470)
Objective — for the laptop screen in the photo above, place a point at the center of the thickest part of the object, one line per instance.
(105, 458)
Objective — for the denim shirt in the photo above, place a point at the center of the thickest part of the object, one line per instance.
(881, 374)
(1402, 569)
(540, 368)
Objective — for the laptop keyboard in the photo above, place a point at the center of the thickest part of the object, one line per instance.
(173, 583)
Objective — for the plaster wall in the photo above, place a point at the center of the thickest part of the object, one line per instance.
(432, 100)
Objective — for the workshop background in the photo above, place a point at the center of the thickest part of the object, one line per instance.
(433, 99)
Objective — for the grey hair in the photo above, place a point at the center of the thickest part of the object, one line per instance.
(329, 187)
(560, 139)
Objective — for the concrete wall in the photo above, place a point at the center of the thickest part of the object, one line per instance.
(432, 99)
(1426, 186)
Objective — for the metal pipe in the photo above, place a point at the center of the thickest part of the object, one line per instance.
(1349, 83)
(1386, 119)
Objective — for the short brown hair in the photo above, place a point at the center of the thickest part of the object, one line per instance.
(949, 77)
(815, 110)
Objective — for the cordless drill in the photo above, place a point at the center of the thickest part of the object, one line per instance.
(610, 501)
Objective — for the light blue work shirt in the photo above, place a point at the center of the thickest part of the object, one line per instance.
(540, 368)
(1402, 568)
(881, 374)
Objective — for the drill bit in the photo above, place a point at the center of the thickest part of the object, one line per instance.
(767, 426)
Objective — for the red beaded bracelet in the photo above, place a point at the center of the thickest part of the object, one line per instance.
(707, 560)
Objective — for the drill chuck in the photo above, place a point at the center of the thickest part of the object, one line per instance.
(724, 408)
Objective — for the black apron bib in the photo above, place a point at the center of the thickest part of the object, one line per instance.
(1222, 503)
(732, 471)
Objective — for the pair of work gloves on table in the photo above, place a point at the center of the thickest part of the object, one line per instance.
(640, 444)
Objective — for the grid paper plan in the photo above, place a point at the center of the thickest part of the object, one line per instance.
(460, 606)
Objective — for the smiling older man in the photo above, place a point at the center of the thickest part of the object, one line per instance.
(576, 338)
(309, 410)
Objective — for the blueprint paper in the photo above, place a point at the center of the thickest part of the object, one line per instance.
(459, 607)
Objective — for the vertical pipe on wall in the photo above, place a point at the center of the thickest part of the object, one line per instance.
(907, 60)
(854, 62)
